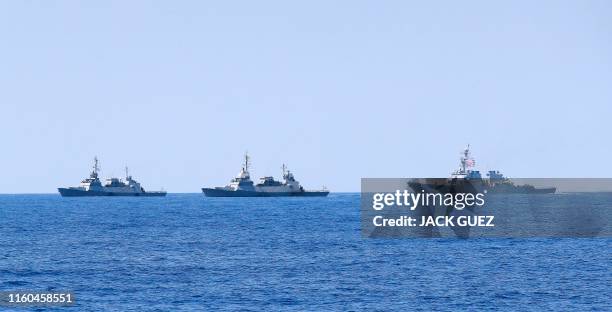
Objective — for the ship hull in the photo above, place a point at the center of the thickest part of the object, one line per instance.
(477, 186)
(211, 192)
(437, 185)
(521, 190)
(67, 192)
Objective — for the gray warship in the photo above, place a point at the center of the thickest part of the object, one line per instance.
(468, 180)
(92, 186)
(243, 186)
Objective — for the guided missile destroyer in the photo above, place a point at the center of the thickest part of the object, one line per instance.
(112, 187)
(468, 180)
(243, 186)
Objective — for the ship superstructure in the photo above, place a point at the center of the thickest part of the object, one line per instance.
(92, 186)
(468, 179)
(467, 163)
(243, 186)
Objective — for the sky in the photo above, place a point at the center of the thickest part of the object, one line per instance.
(337, 90)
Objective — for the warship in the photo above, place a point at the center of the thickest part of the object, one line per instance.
(243, 186)
(468, 180)
(92, 186)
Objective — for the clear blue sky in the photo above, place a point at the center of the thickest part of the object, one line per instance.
(338, 90)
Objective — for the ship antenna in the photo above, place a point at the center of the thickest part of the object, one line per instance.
(463, 163)
(96, 167)
(246, 161)
(465, 158)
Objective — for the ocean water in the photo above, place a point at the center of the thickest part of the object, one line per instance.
(186, 252)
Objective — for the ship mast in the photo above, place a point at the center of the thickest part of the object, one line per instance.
(127, 176)
(96, 168)
(464, 158)
(246, 162)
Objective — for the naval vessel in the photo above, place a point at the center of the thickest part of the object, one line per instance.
(468, 180)
(243, 186)
(92, 186)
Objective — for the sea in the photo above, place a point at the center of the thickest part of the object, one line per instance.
(186, 252)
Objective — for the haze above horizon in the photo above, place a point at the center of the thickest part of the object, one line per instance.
(178, 91)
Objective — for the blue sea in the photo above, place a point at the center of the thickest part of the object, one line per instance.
(186, 252)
